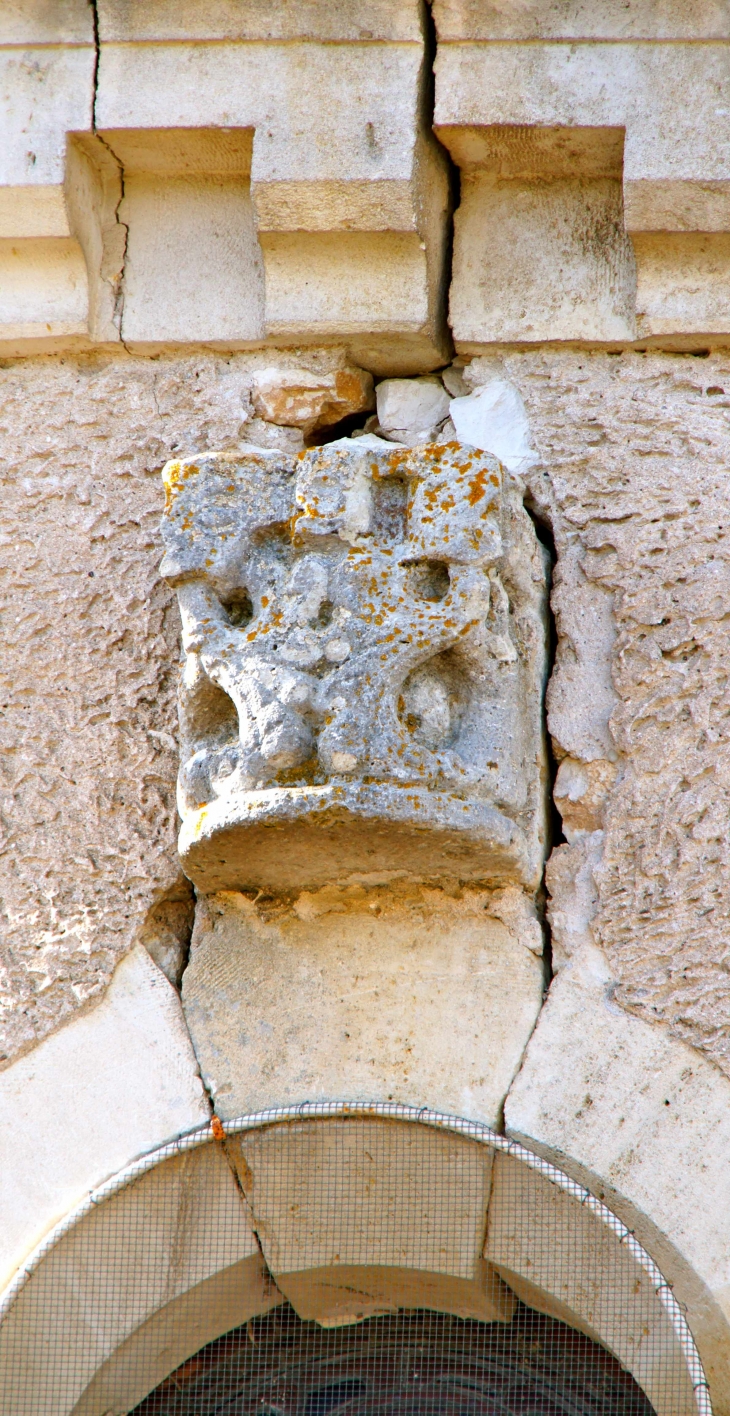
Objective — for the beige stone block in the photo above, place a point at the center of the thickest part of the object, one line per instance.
(679, 205)
(637, 86)
(576, 19)
(43, 289)
(346, 284)
(644, 1121)
(540, 261)
(683, 283)
(301, 398)
(258, 20)
(33, 211)
(126, 1289)
(93, 193)
(509, 108)
(560, 1259)
(356, 1218)
(364, 994)
(351, 158)
(344, 112)
(193, 267)
(113, 1083)
(46, 91)
(177, 1332)
(535, 153)
(36, 22)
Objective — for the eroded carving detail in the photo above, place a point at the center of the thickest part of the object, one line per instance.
(364, 634)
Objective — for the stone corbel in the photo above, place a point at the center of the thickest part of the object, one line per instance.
(364, 631)
(352, 204)
(276, 186)
(546, 254)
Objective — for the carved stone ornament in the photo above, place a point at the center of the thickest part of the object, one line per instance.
(365, 654)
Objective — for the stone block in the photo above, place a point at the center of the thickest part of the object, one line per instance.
(518, 113)
(411, 411)
(365, 641)
(46, 88)
(47, 91)
(683, 281)
(644, 1121)
(300, 398)
(356, 1218)
(121, 1299)
(349, 191)
(560, 1259)
(43, 290)
(343, 994)
(113, 1083)
(67, 22)
(577, 20)
(493, 418)
(257, 20)
(537, 261)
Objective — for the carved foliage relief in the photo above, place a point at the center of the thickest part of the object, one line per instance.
(364, 637)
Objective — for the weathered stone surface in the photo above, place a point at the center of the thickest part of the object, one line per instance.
(493, 418)
(393, 1239)
(595, 1285)
(580, 793)
(343, 994)
(109, 1086)
(348, 188)
(573, 895)
(632, 475)
(411, 411)
(580, 19)
(298, 398)
(365, 647)
(633, 451)
(89, 662)
(536, 261)
(645, 1122)
(182, 1265)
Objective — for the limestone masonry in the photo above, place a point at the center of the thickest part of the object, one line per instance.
(365, 712)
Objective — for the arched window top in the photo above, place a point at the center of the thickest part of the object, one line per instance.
(343, 1218)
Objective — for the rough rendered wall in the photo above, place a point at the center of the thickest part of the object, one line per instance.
(636, 448)
(89, 666)
(634, 451)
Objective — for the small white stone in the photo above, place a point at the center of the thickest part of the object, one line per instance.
(337, 651)
(411, 410)
(493, 418)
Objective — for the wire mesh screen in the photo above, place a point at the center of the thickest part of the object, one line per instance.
(345, 1264)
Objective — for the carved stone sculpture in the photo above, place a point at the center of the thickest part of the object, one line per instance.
(364, 633)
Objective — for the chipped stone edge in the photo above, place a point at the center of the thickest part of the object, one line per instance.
(473, 1130)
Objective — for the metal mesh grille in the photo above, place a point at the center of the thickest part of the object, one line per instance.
(337, 1262)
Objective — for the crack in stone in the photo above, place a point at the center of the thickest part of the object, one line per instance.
(118, 315)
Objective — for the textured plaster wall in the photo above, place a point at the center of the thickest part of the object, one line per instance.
(634, 454)
(89, 665)
(634, 451)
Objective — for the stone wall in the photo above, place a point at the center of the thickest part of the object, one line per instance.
(90, 668)
(630, 478)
